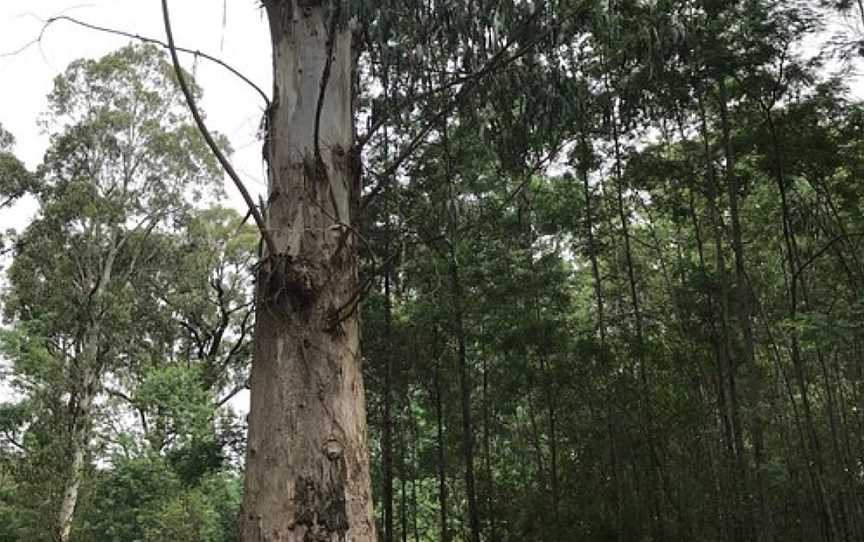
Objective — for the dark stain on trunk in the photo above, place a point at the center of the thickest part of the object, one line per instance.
(320, 503)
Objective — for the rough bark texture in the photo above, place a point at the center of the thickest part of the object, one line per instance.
(307, 472)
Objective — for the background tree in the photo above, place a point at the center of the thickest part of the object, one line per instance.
(608, 256)
(120, 166)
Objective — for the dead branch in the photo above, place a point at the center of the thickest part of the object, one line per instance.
(143, 39)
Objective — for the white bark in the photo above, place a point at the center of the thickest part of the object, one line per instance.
(83, 402)
(307, 471)
(89, 373)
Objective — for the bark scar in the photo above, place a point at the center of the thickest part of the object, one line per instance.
(333, 448)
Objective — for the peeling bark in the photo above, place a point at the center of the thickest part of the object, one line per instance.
(307, 471)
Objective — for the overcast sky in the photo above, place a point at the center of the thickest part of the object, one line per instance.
(231, 106)
(234, 30)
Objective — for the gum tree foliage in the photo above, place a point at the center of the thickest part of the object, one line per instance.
(609, 254)
(123, 161)
(15, 180)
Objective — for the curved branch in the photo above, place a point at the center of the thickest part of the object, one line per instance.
(196, 114)
(816, 255)
(143, 39)
(325, 78)
(471, 82)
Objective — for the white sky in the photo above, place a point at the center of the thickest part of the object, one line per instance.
(232, 107)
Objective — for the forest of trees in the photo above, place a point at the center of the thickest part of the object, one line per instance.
(604, 261)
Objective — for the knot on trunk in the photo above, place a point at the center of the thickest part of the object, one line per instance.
(332, 449)
(288, 283)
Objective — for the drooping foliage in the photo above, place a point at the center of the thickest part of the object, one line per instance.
(612, 272)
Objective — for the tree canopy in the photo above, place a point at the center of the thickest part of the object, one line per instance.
(608, 264)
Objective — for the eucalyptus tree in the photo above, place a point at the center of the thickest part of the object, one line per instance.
(197, 309)
(189, 357)
(123, 161)
(15, 180)
(307, 468)
(166, 440)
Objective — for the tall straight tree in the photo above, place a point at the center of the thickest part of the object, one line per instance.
(120, 164)
(307, 472)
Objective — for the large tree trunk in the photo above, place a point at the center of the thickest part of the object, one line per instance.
(307, 470)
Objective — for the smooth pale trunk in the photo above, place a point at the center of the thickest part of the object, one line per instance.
(307, 470)
(78, 448)
(81, 403)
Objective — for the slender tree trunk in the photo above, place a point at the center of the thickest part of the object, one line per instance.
(307, 470)
(719, 381)
(659, 489)
(442, 460)
(403, 488)
(623, 529)
(628, 254)
(592, 245)
(465, 380)
(415, 474)
(80, 406)
(387, 430)
(816, 469)
(465, 383)
(81, 402)
(553, 462)
(487, 455)
(757, 529)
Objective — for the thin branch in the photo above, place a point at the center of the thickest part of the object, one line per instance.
(822, 251)
(224, 318)
(231, 394)
(473, 82)
(226, 165)
(200, 344)
(325, 78)
(142, 39)
(241, 340)
(337, 315)
(13, 441)
(120, 395)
